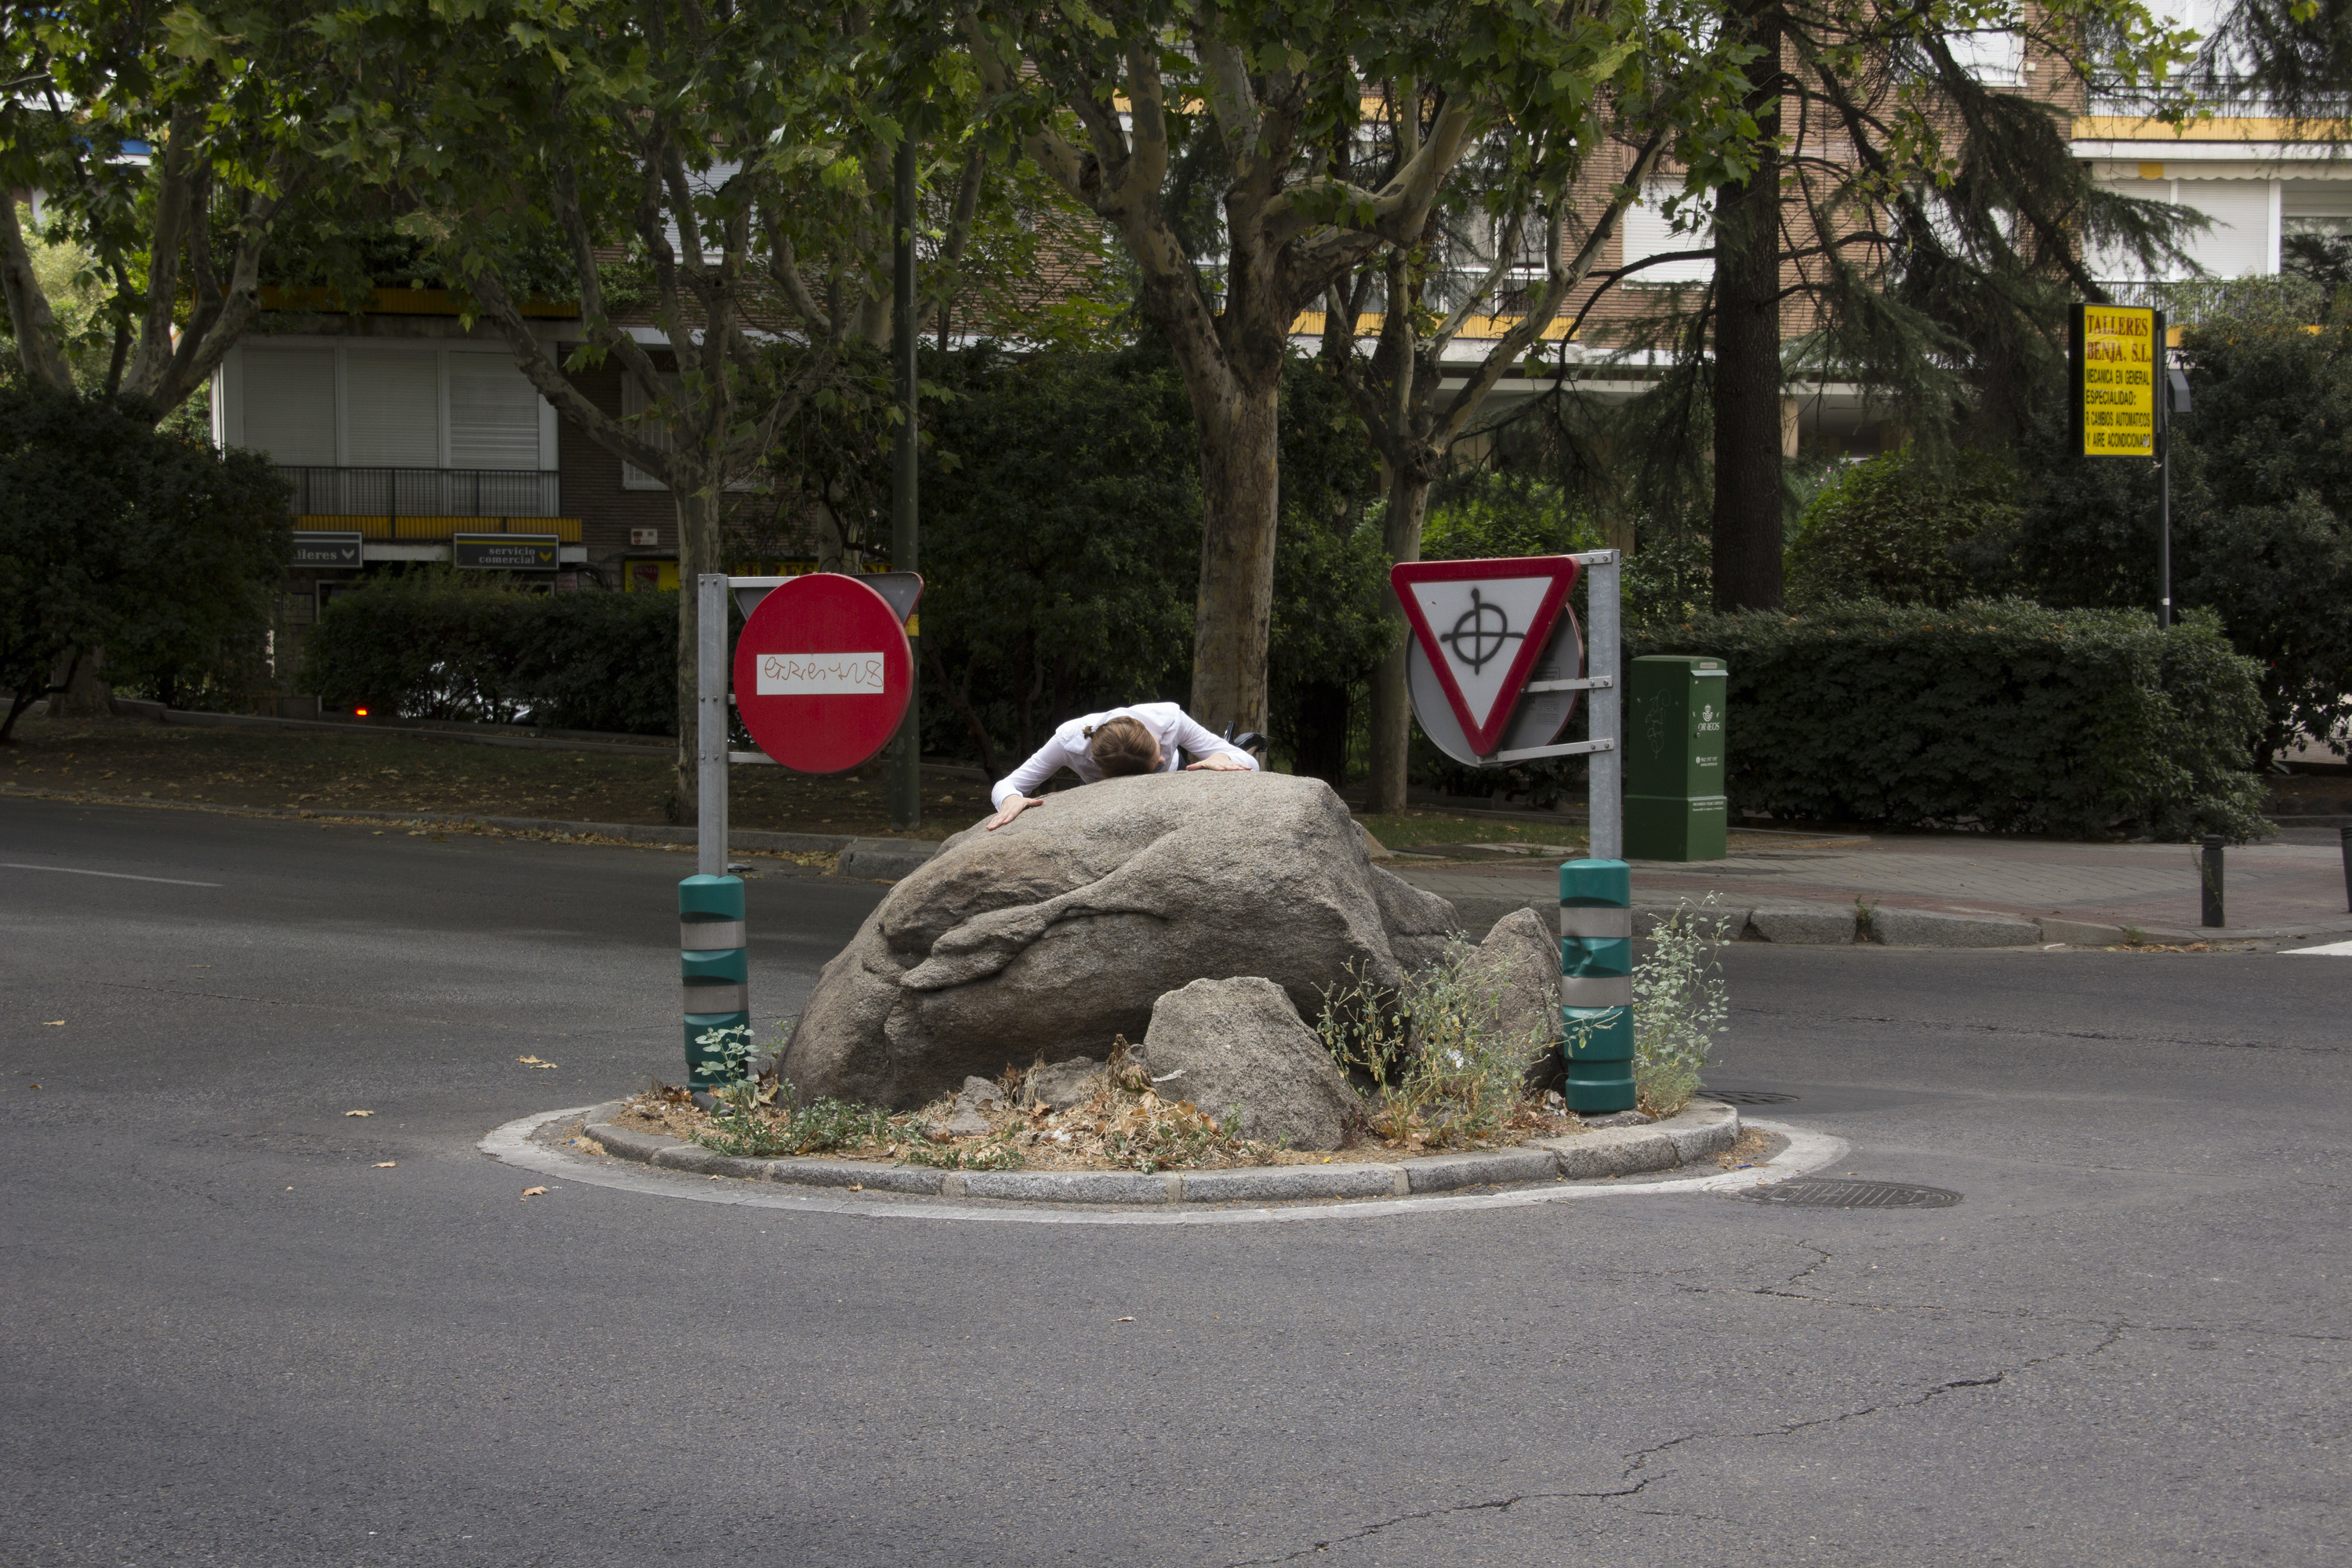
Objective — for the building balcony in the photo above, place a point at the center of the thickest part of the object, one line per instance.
(394, 495)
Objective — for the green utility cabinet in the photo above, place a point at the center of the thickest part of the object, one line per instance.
(1674, 806)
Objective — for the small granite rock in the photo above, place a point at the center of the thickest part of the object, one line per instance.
(1239, 1045)
(975, 1103)
(1519, 961)
(1061, 1085)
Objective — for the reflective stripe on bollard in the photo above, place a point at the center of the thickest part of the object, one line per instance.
(1596, 969)
(714, 969)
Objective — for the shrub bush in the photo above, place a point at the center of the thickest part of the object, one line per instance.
(149, 544)
(1999, 715)
(442, 645)
(1900, 529)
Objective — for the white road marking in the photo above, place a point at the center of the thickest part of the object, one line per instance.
(2333, 950)
(118, 875)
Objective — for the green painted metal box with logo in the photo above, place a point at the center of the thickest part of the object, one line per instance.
(1675, 804)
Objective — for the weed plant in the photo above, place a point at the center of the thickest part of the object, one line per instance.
(1442, 1069)
(761, 1118)
(1679, 1007)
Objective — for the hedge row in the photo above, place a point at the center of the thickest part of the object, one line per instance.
(2000, 715)
(433, 645)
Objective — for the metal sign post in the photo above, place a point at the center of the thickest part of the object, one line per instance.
(825, 674)
(1605, 720)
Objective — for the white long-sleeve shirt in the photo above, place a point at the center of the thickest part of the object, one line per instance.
(1168, 724)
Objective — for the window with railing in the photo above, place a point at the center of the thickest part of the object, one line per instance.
(320, 492)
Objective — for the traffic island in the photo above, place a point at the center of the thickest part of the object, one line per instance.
(1702, 1133)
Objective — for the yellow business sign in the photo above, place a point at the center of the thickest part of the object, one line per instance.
(2117, 358)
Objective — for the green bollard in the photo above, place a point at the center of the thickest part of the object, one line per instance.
(1596, 984)
(715, 969)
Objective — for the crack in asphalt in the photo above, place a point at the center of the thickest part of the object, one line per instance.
(1491, 1504)
(1640, 1457)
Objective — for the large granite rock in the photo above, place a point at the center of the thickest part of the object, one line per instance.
(1051, 936)
(1238, 1046)
(1519, 962)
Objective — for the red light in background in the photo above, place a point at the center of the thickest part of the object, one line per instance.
(362, 712)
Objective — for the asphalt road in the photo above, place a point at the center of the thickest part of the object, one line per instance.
(230, 1338)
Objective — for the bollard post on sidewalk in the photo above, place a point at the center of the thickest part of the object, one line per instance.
(2210, 873)
(1596, 984)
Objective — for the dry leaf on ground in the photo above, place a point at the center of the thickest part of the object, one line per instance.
(536, 1062)
(386, 1165)
(359, 1113)
(527, 1192)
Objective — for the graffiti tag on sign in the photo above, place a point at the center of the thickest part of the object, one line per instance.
(822, 675)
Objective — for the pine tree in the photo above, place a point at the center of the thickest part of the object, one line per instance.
(1915, 223)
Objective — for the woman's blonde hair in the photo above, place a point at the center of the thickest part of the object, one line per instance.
(1120, 746)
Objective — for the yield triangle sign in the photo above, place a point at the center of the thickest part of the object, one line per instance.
(1483, 624)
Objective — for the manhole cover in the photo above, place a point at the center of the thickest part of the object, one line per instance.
(1746, 1095)
(1819, 1193)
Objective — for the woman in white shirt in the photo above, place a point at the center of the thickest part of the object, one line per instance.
(1142, 739)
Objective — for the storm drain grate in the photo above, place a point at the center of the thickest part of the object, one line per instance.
(1819, 1193)
(1746, 1095)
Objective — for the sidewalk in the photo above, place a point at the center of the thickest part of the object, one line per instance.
(2274, 889)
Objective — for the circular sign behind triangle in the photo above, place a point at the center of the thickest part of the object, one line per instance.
(1537, 719)
(822, 672)
(1481, 625)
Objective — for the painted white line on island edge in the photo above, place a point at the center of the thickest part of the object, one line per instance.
(2333, 950)
(511, 1144)
(118, 875)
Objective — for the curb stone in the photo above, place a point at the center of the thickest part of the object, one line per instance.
(1702, 1128)
(1803, 924)
(1892, 926)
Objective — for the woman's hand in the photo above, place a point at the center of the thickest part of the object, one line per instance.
(1013, 808)
(1219, 762)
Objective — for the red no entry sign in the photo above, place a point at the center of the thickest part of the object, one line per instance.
(822, 673)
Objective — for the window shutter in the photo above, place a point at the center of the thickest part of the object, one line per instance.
(493, 414)
(395, 419)
(2239, 243)
(289, 405)
(635, 402)
(1646, 233)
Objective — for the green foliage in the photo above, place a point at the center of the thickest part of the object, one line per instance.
(761, 1117)
(1999, 715)
(1061, 539)
(1902, 529)
(1059, 555)
(1482, 513)
(1441, 1068)
(2261, 495)
(441, 644)
(146, 543)
(1680, 1006)
(1328, 629)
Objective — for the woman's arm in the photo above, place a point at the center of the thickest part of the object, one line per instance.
(1011, 795)
(1209, 751)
